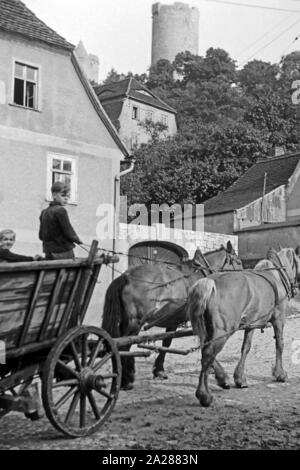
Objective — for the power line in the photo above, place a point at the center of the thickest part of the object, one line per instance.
(263, 35)
(291, 43)
(248, 5)
(270, 42)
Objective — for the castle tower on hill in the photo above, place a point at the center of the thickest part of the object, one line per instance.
(89, 62)
(175, 28)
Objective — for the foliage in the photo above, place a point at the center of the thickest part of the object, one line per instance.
(227, 119)
(155, 130)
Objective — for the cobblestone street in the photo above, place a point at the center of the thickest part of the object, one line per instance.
(166, 415)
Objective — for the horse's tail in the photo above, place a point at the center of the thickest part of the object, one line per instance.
(113, 307)
(199, 296)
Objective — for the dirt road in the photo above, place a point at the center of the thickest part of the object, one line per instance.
(166, 415)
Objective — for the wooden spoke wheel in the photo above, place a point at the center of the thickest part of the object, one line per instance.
(81, 381)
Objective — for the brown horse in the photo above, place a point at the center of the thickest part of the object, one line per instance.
(226, 302)
(161, 289)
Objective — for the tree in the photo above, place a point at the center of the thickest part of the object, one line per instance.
(155, 130)
(113, 76)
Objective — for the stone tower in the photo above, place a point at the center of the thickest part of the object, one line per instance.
(89, 62)
(175, 28)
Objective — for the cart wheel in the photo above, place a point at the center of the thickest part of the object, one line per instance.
(81, 381)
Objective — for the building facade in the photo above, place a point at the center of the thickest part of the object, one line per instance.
(129, 105)
(52, 127)
(262, 207)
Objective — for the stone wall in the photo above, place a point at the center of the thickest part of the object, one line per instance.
(132, 234)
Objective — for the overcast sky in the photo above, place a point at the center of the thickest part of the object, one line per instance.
(119, 31)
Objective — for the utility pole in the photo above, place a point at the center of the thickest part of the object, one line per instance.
(263, 197)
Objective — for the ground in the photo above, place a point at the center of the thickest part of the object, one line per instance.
(166, 415)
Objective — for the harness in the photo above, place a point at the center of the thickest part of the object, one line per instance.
(289, 286)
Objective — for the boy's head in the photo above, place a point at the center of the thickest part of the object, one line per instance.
(7, 238)
(60, 192)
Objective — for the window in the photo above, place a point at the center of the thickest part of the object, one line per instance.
(62, 168)
(164, 119)
(135, 112)
(149, 115)
(25, 85)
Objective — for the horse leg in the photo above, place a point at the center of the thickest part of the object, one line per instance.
(128, 362)
(278, 324)
(128, 371)
(220, 375)
(158, 367)
(239, 372)
(209, 353)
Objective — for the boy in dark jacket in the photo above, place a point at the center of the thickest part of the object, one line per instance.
(56, 231)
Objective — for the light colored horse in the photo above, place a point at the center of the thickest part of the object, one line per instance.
(145, 290)
(223, 303)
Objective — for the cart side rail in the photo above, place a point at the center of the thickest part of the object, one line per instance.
(39, 301)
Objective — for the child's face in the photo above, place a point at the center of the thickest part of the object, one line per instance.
(62, 197)
(7, 241)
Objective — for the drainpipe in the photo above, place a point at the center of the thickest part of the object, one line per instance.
(117, 207)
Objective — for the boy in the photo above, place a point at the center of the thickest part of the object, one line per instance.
(7, 240)
(56, 231)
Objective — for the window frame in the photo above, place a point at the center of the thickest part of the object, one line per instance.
(51, 156)
(137, 116)
(134, 140)
(164, 119)
(149, 115)
(37, 83)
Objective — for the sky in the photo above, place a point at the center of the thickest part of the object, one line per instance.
(119, 31)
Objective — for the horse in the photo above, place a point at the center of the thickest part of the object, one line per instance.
(159, 290)
(226, 302)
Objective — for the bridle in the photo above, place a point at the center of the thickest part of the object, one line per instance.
(229, 260)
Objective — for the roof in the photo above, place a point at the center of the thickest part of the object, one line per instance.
(114, 110)
(98, 106)
(249, 187)
(16, 18)
(130, 88)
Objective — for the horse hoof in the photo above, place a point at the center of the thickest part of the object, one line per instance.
(225, 386)
(281, 378)
(240, 383)
(127, 387)
(160, 375)
(206, 401)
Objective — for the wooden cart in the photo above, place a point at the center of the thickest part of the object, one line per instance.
(44, 344)
(42, 308)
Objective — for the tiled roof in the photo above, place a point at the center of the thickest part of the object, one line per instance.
(131, 88)
(15, 17)
(114, 110)
(249, 187)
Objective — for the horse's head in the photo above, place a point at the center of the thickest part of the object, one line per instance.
(222, 259)
(232, 261)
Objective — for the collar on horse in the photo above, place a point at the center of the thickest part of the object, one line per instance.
(287, 284)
